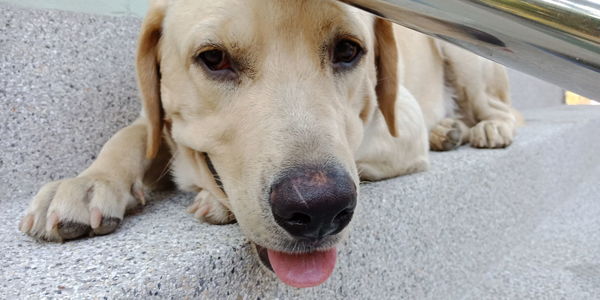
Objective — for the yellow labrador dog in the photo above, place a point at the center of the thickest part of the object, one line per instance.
(273, 111)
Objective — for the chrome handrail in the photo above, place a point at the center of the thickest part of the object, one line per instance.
(555, 40)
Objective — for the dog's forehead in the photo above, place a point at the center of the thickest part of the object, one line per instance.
(243, 23)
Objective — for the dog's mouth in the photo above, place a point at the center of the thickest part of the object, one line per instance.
(309, 267)
(299, 270)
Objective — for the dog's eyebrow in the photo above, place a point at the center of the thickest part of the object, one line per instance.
(351, 36)
(206, 45)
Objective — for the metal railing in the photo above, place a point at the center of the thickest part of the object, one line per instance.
(555, 40)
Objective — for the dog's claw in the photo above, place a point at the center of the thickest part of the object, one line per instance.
(202, 211)
(26, 224)
(95, 217)
(193, 208)
(52, 222)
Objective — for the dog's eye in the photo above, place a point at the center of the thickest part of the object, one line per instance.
(346, 53)
(215, 59)
(217, 63)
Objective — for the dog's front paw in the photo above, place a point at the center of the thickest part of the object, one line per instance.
(447, 135)
(77, 207)
(207, 208)
(492, 134)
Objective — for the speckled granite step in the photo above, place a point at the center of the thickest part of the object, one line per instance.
(67, 84)
(561, 260)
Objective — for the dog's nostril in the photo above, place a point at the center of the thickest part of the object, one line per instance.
(344, 216)
(341, 220)
(299, 219)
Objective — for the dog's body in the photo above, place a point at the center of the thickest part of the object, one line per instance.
(254, 103)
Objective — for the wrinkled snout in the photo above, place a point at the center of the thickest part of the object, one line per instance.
(313, 202)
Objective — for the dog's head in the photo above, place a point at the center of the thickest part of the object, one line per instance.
(276, 94)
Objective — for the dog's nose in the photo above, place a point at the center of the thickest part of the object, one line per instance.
(313, 202)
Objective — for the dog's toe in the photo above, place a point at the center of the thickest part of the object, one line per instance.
(491, 134)
(72, 230)
(207, 208)
(76, 207)
(447, 135)
(108, 225)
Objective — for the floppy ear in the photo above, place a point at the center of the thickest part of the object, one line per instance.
(386, 61)
(148, 74)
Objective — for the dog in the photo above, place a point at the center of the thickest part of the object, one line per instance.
(272, 112)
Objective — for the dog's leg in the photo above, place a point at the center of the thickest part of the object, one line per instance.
(383, 156)
(95, 201)
(192, 173)
(448, 135)
(207, 208)
(482, 93)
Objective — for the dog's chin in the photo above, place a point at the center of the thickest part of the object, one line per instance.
(307, 268)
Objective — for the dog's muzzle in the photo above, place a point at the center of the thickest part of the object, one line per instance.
(311, 203)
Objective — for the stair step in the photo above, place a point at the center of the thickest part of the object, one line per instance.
(561, 257)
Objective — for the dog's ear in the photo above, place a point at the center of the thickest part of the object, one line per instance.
(386, 60)
(148, 74)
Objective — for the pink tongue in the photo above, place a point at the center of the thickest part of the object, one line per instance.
(305, 269)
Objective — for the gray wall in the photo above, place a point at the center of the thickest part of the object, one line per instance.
(529, 92)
